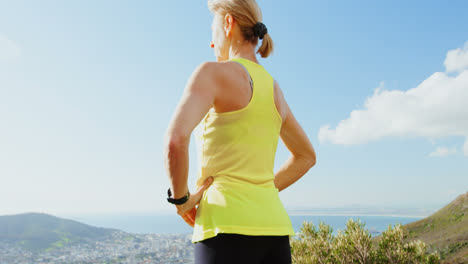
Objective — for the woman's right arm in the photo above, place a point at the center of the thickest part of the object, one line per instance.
(293, 136)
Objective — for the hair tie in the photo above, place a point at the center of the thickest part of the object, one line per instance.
(260, 30)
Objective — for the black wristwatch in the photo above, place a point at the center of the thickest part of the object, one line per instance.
(177, 201)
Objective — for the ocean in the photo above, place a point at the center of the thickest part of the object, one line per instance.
(165, 223)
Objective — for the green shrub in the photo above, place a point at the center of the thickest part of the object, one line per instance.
(355, 245)
(315, 244)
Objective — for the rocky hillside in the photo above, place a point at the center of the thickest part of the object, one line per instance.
(446, 230)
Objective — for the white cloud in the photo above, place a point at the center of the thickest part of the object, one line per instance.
(437, 107)
(457, 59)
(8, 49)
(443, 151)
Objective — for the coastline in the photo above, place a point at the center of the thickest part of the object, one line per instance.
(354, 214)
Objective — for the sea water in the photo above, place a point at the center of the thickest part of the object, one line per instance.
(172, 223)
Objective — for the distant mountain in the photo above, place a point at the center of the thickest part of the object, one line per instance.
(363, 210)
(446, 230)
(37, 231)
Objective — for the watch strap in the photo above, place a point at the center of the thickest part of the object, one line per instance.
(177, 201)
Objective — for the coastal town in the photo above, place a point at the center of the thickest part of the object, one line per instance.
(120, 247)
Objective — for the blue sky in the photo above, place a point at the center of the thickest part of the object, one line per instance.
(87, 89)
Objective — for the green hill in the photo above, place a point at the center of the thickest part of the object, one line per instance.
(446, 230)
(38, 231)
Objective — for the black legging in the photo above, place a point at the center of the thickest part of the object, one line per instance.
(236, 248)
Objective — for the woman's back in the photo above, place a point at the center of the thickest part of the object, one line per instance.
(239, 218)
(238, 148)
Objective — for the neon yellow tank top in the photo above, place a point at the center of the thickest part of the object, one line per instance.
(238, 148)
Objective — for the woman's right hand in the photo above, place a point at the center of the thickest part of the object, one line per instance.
(188, 210)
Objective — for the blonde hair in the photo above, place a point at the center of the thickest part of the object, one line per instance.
(247, 13)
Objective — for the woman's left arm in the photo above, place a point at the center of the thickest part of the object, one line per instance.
(198, 97)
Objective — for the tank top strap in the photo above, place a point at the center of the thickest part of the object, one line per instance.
(263, 91)
(250, 77)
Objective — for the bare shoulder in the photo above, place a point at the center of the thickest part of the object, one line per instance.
(230, 74)
(202, 82)
(204, 77)
(218, 71)
(205, 68)
(215, 79)
(228, 67)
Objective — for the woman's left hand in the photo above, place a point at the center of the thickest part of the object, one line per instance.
(187, 210)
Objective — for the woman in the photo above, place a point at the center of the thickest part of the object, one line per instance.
(239, 112)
